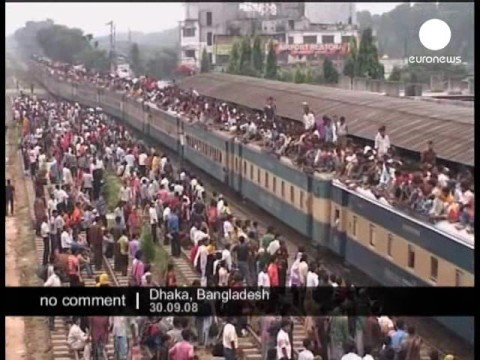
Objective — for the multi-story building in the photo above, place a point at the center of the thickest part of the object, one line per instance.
(202, 22)
(303, 32)
(313, 42)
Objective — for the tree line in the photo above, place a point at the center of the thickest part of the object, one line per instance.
(247, 57)
(71, 45)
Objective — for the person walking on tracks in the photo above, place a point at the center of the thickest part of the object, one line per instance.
(96, 240)
(9, 197)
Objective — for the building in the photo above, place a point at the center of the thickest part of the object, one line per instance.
(303, 32)
(202, 22)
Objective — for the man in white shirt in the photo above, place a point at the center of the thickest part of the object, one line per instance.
(273, 247)
(349, 351)
(200, 260)
(53, 280)
(382, 142)
(263, 278)
(130, 159)
(142, 158)
(229, 340)
(308, 117)
(303, 270)
(198, 236)
(306, 353)
(228, 229)
(312, 277)
(66, 239)
(125, 194)
(284, 347)
(45, 234)
(152, 213)
(227, 257)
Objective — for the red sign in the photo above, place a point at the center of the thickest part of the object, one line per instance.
(309, 49)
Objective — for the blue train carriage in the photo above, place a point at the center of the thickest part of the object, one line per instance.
(162, 126)
(206, 149)
(273, 184)
(85, 94)
(112, 103)
(397, 249)
(134, 114)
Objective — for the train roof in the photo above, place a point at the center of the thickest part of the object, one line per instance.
(410, 123)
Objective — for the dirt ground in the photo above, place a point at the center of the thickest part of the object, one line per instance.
(26, 338)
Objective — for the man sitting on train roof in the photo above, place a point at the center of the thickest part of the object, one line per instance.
(313, 146)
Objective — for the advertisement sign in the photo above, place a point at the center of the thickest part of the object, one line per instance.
(311, 49)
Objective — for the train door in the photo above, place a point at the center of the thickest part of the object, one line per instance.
(227, 167)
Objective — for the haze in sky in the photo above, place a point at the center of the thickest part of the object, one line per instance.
(92, 17)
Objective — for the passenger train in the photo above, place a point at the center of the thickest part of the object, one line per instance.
(388, 245)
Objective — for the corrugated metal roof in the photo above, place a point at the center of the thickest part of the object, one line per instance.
(410, 123)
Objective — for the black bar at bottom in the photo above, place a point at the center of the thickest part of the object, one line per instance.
(132, 301)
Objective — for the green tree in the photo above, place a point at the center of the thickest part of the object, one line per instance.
(147, 245)
(94, 59)
(396, 74)
(398, 29)
(258, 54)
(205, 64)
(367, 58)
(62, 43)
(135, 59)
(271, 64)
(299, 76)
(162, 63)
(350, 68)
(245, 59)
(329, 72)
(234, 58)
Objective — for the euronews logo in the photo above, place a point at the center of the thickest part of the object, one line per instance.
(435, 34)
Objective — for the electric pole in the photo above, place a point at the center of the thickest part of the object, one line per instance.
(112, 45)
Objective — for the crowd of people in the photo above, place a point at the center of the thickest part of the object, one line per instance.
(68, 150)
(428, 189)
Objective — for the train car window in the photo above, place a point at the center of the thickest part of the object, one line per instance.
(251, 172)
(283, 189)
(411, 257)
(389, 245)
(274, 184)
(244, 167)
(266, 179)
(458, 277)
(354, 226)
(236, 164)
(372, 235)
(302, 195)
(258, 175)
(292, 194)
(433, 268)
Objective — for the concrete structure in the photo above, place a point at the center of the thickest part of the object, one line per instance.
(389, 64)
(202, 21)
(303, 31)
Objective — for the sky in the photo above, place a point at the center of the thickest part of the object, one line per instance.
(92, 17)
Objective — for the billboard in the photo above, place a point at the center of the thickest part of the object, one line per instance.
(313, 49)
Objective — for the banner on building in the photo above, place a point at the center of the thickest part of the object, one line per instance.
(311, 49)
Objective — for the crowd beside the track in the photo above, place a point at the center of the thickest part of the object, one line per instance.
(428, 189)
(68, 150)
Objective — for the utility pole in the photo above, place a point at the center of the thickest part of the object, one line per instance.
(112, 45)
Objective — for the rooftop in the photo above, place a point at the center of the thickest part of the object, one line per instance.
(410, 123)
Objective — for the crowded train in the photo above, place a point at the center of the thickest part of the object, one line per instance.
(68, 149)
(400, 226)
